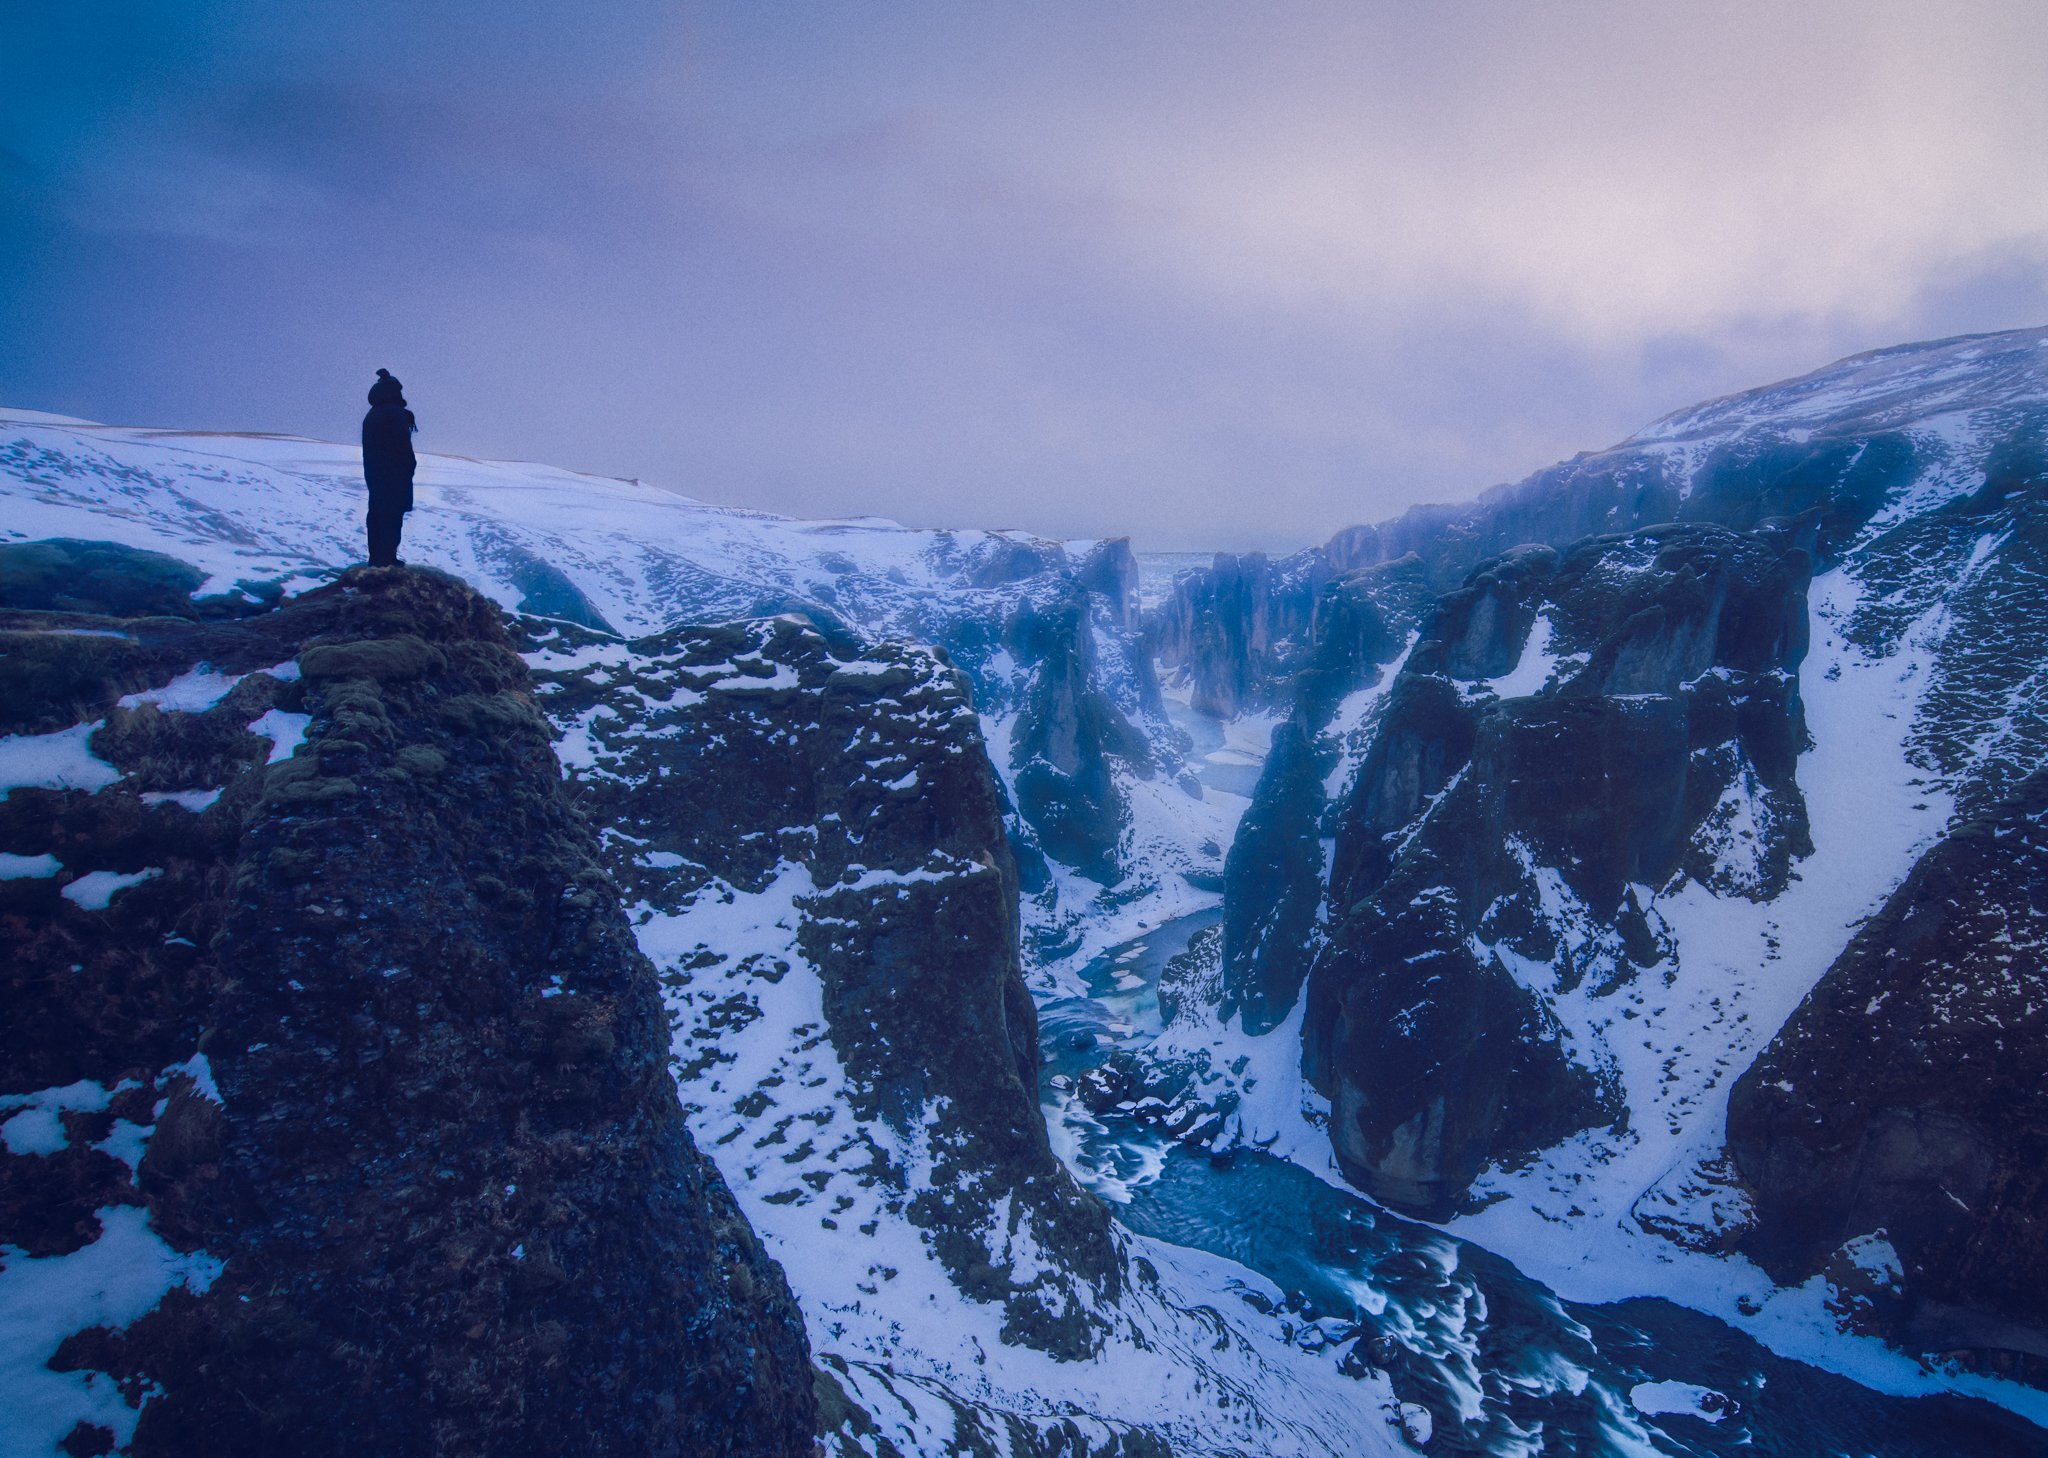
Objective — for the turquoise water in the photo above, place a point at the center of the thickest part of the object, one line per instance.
(1502, 1364)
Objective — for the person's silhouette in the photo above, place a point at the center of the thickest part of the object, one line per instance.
(388, 464)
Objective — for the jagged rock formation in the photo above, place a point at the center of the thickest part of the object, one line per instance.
(722, 756)
(1568, 729)
(1969, 569)
(1235, 631)
(431, 1162)
(1068, 738)
(1273, 883)
(1362, 621)
(1899, 1121)
(1110, 571)
(1275, 871)
(915, 935)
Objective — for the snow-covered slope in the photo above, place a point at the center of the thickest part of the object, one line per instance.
(289, 509)
(1042, 631)
(1915, 482)
(1899, 696)
(1915, 386)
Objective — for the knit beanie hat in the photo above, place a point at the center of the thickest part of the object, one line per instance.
(387, 390)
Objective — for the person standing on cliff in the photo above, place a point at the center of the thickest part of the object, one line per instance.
(388, 464)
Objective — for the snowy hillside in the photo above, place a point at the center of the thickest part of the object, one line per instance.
(1041, 629)
(1611, 798)
(1467, 862)
(264, 508)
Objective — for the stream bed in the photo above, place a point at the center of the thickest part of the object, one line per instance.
(1498, 1362)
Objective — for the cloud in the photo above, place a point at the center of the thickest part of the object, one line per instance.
(1217, 274)
(1618, 173)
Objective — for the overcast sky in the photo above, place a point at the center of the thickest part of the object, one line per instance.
(1227, 275)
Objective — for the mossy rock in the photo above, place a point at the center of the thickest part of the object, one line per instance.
(382, 659)
(289, 864)
(298, 782)
(51, 680)
(487, 665)
(320, 790)
(490, 716)
(69, 575)
(358, 712)
(421, 761)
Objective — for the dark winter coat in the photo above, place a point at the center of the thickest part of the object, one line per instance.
(388, 461)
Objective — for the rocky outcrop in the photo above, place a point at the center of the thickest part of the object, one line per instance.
(69, 575)
(1976, 562)
(1235, 630)
(1362, 620)
(1273, 884)
(1661, 739)
(916, 938)
(1051, 651)
(998, 561)
(1275, 872)
(724, 756)
(1896, 1128)
(1110, 571)
(1069, 739)
(1570, 729)
(431, 1145)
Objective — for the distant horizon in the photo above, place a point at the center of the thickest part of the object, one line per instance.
(1189, 272)
(1138, 545)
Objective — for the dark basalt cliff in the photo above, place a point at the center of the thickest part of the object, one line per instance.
(1069, 737)
(1109, 570)
(1053, 645)
(1569, 728)
(433, 1138)
(1236, 630)
(1907, 1100)
(1488, 847)
(723, 753)
(1274, 874)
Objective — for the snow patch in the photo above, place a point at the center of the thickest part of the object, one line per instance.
(1662, 1399)
(1532, 670)
(113, 1282)
(38, 1129)
(193, 800)
(193, 692)
(60, 761)
(286, 732)
(95, 890)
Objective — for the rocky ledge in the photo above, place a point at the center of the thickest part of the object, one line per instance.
(341, 1035)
